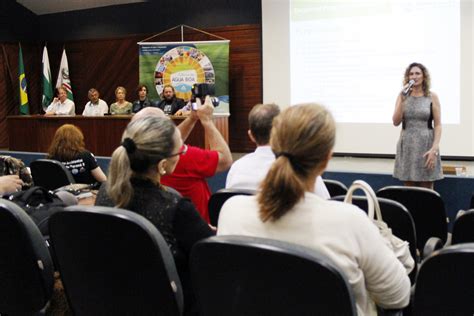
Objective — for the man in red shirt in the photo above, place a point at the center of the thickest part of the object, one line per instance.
(189, 177)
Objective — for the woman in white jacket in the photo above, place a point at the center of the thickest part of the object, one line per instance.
(286, 209)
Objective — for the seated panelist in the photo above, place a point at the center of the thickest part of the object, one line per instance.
(143, 101)
(170, 104)
(121, 105)
(95, 106)
(61, 105)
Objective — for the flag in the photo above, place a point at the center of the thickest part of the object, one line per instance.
(47, 87)
(24, 108)
(63, 76)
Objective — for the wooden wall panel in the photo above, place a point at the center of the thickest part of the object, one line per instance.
(107, 63)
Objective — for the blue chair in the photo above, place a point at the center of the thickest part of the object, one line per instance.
(26, 268)
(445, 282)
(218, 199)
(427, 209)
(50, 174)
(114, 262)
(236, 275)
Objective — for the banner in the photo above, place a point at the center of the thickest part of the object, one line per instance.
(63, 76)
(24, 108)
(47, 87)
(182, 64)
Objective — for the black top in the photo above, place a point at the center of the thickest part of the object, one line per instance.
(81, 167)
(172, 106)
(138, 105)
(175, 218)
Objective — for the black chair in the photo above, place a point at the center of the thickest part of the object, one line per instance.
(397, 218)
(236, 275)
(463, 228)
(50, 174)
(26, 268)
(114, 262)
(425, 206)
(335, 187)
(218, 199)
(445, 283)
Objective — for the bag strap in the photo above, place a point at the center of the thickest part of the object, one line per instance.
(26, 195)
(373, 205)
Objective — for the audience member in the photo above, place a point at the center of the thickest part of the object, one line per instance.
(151, 147)
(143, 101)
(10, 184)
(170, 104)
(286, 209)
(189, 177)
(68, 148)
(95, 106)
(121, 106)
(61, 105)
(249, 171)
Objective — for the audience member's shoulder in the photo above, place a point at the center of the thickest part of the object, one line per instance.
(102, 198)
(240, 203)
(346, 210)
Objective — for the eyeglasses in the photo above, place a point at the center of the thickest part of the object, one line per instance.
(182, 151)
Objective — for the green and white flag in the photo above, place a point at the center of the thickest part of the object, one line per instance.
(47, 87)
(63, 76)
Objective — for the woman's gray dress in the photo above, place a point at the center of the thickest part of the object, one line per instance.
(415, 140)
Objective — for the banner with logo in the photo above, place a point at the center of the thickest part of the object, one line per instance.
(182, 64)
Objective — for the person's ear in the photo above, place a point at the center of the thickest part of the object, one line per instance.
(249, 132)
(162, 166)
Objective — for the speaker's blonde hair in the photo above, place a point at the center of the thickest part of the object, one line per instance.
(302, 138)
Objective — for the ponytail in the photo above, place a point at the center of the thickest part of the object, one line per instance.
(119, 188)
(302, 138)
(280, 190)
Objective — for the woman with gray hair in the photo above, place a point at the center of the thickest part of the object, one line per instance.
(151, 148)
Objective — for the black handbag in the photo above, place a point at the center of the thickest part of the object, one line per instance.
(39, 204)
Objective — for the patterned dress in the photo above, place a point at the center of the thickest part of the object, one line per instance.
(416, 138)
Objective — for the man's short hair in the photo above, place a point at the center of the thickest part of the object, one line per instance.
(260, 122)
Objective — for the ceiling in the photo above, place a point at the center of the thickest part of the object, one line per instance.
(40, 7)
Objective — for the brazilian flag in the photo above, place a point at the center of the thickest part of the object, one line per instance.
(24, 108)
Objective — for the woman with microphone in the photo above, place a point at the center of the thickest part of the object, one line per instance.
(418, 162)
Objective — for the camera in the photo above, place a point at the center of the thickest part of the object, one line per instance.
(201, 90)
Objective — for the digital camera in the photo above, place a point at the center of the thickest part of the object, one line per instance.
(201, 90)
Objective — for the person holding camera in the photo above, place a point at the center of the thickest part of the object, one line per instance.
(197, 164)
(170, 104)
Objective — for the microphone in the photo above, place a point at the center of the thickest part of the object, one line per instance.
(407, 89)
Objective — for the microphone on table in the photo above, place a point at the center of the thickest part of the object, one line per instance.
(407, 89)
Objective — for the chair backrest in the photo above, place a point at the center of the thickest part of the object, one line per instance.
(114, 262)
(425, 206)
(335, 187)
(445, 283)
(26, 268)
(218, 199)
(397, 217)
(50, 174)
(256, 276)
(463, 228)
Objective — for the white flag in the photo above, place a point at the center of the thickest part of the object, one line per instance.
(63, 76)
(47, 86)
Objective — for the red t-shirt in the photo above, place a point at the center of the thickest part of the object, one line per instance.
(189, 177)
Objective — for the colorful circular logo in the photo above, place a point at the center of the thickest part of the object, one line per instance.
(182, 67)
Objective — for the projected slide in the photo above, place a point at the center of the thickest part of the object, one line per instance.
(351, 55)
